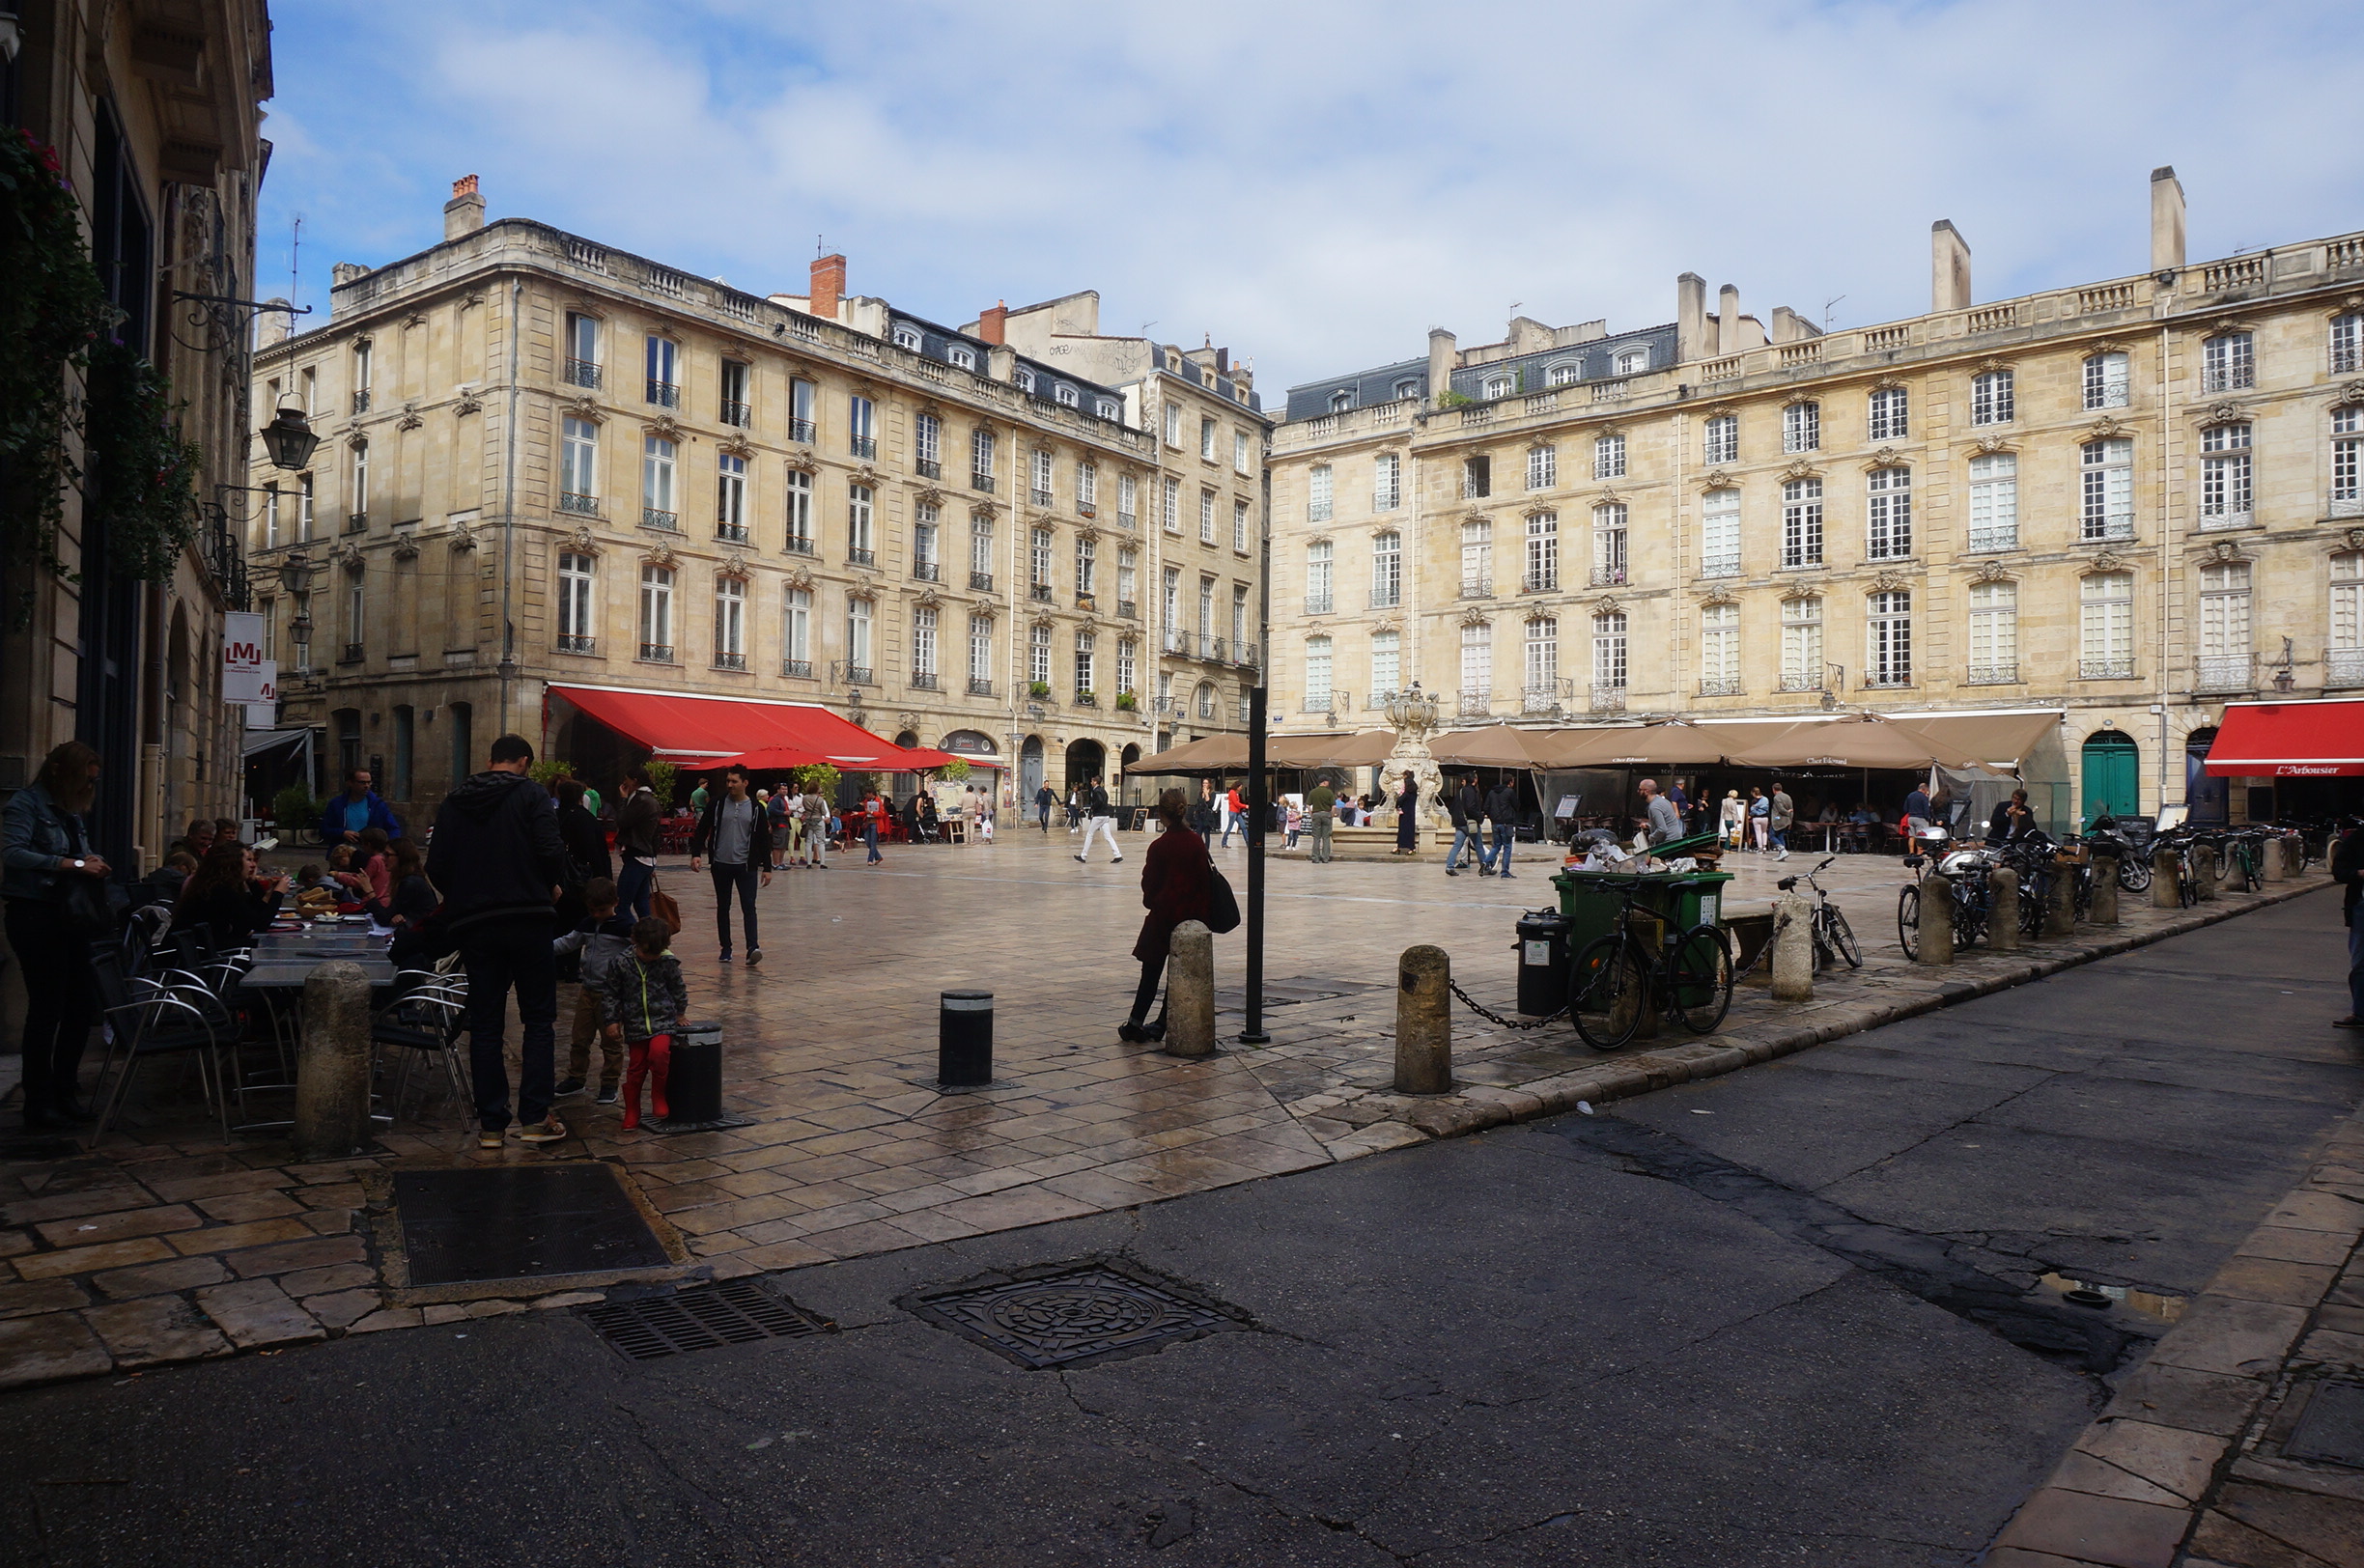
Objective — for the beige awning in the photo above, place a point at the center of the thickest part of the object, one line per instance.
(1228, 753)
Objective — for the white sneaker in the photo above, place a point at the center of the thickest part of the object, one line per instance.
(1785, 854)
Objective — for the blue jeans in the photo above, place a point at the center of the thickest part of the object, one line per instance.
(633, 885)
(1500, 859)
(501, 953)
(870, 840)
(1474, 839)
(2355, 968)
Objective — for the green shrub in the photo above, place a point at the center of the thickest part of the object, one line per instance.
(663, 777)
(294, 809)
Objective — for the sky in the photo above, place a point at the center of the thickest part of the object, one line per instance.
(1315, 186)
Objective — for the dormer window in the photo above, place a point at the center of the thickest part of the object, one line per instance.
(1567, 375)
(907, 337)
(1498, 386)
(1632, 361)
(1022, 380)
(964, 357)
(1067, 397)
(1110, 410)
(1341, 401)
(1406, 390)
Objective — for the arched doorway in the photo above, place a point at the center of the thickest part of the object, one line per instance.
(2206, 797)
(906, 785)
(1125, 759)
(2112, 784)
(1086, 760)
(1029, 771)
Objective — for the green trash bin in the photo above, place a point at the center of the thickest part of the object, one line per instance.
(1683, 899)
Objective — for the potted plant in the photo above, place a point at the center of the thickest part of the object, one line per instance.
(1038, 689)
(1126, 702)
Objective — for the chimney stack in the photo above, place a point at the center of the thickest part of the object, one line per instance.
(993, 326)
(463, 214)
(828, 286)
(276, 321)
(1442, 350)
(2166, 220)
(1948, 268)
(1728, 320)
(1690, 317)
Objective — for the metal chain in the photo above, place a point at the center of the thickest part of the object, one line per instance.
(1490, 1016)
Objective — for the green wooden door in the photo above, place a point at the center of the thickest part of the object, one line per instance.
(2113, 780)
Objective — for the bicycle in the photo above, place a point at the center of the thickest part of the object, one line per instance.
(1833, 937)
(1966, 870)
(1618, 976)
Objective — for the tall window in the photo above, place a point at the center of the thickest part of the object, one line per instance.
(926, 544)
(861, 548)
(2227, 363)
(1038, 657)
(1888, 640)
(361, 360)
(1477, 663)
(796, 631)
(1802, 644)
(304, 508)
(730, 498)
(2224, 619)
(1241, 451)
(1206, 439)
(1992, 398)
(1994, 502)
(927, 445)
(1038, 562)
(271, 517)
(1609, 650)
(357, 612)
(1044, 470)
(576, 632)
(1128, 579)
(1238, 621)
(1609, 457)
(730, 623)
(658, 509)
(1887, 420)
(981, 459)
(1543, 656)
(1802, 522)
(2348, 614)
(1170, 503)
(1386, 651)
(579, 466)
(656, 611)
(1088, 485)
(1542, 570)
(1608, 545)
(663, 372)
(2226, 478)
(858, 628)
(1206, 517)
(361, 484)
(2346, 344)
(1206, 611)
(1723, 440)
(1174, 424)
(1720, 534)
(1086, 564)
(923, 646)
(1317, 698)
(800, 394)
(1128, 665)
(1543, 468)
(862, 427)
(2347, 460)
(1318, 496)
(980, 552)
(1387, 570)
(1888, 514)
(2105, 627)
(980, 654)
(1387, 482)
(1802, 427)
(2107, 384)
(1128, 498)
(1317, 577)
(738, 398)
(582, 349)
(1720, 651)
(1477, 478)
(800, 513)
(1477, 558)
(1239, 526)
(2107, 509)
(1994, 633)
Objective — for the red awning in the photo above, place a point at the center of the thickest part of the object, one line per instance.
(2289, 740)
(698, 732)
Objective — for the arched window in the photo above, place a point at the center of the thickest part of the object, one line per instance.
(657, 612)
(358, 518)
(1632, 361)
(1498, 386)
(1565, 373)
(1406, 390)
(1206, 699)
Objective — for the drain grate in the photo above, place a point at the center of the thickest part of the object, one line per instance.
(2332, 1429)
(1074, 1313)
(735, 1312)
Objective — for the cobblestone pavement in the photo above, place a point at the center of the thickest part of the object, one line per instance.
(163, 1245)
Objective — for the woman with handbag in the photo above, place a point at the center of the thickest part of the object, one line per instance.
(1177, 884)
(54, 889)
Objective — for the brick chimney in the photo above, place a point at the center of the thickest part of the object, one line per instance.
(993, 326)
(463, 214)
(828, 286)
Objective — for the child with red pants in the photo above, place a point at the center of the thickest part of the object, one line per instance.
(641, 1000)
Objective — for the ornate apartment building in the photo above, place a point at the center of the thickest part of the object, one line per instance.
(2087, 499)
(547, 464)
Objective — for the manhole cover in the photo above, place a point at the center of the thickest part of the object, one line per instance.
(735, 1312)
(520, 1222)
(2332, 1429)
(1074, 1313)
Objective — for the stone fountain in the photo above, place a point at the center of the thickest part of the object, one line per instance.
(1415, 718)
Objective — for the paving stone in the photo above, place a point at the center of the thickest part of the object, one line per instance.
(2220, 1334)
(2082, 1472)
(2320, 1211)
(37, 1295)
(232, 1237)
(495, 1310)
(567, 1298)
(257, 1312)
(2272, 1279)
(321, 1281)
(99, 1199)
(94, 1230)
(158, 1279)
(87, 1259)
(183, 1190)
(343, 1307)
(2084, 1527)
(2294, 1246)
(156, 1329)
(237, 1208)
(48, 1348)
(319, 1252)
(2182, 1463)
(2194, 1401)
(445, 1313)
(2225, 1536)
(392, 1317)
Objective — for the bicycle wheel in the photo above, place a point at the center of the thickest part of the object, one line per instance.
(2135, 872)
(1700, 979)
(2187, 882)
(1843, 938)
(1608, 989)
(2031, 907)
(1908, 921)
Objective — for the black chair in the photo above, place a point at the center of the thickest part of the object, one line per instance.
(425, 1021)
(149, 1018)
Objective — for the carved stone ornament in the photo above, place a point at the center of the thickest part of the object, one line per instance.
(357, 438)
(1715, 479)
(1800, 468)
(1607, 430)
(1388, 623)
(1318, 539)
(2355, 538)
(1891, 582)
(349, 557)
(410, 419)
(928, 495)
(1718, 598)
(800, 463)
(473, 297)
(405, 547)
(2222, 413)
(928, 598)
(1887, 457)
(865, 476)
(581, 406)
(362, 339)
(1986, 446)
(1993, 572)
(1084, 530)
(1607, 498)
(417, 317)
(1720, 410)
(1538, 443)
(1888, 383)
(662, 555)
(1041, 619)
(2350, 394)
(582, 539)
(1608, 604)
(1992, 363)
(735, 446)
(1473, 616)
(2107, 346)
(667, 428)
(987, 510)
(1796, 398)
(802, 577)
(1799, 590)
(734, 564)
(2103, 562)
(2224, 550)
(2104, 428)
(468, 405)
(865, 585)
(463, 536)
(2226, 323)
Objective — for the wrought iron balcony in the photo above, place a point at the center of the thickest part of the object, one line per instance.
(1041, 497)
(358, 524)
(1317, 605)
(2107, 528)
(1040, 592)
(1539, 700)
(1608, 577)
(799, 546)
(862, 446)
(1608, 699)
(856, 555)
(798, 668)
(1385, 599)
(980, 582)
(741, 414)
(1128, 521)
(1719, 566)
(1477, 587)
(663, 520)
(582, 505)
(1087, 699)
(1210, 648)
(1087, 600)
(1086, 508)
(1888, 680)
(351, 654)
(1245, 655)
(572, 643)
(731, 533)
(1176, 642)
(2105, 669)
(1127, 611)
(925, 680)
(729, 662)
(1385, 500)
(860, 675)
(980, 688)
(362, 400)
(1539, 583)
(2343, 667)
(801, 432)
(664, 394)
(1800, 683)
(1995, 674)
(1988, 541)
(1475, 704)
(981, 482)
(926, 572)
(2217, 522)
(928, 468)
(1724, 686)
(582, 373)
(656, 652)
(2228, 674)
(1317, 512)
(1328, 702)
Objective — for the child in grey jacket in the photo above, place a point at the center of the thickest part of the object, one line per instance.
(603, 937)
(643, 998)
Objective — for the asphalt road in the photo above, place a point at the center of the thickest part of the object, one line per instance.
(1802, 1328)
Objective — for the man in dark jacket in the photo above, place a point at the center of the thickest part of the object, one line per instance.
(355, 812)
(1044, 801)
(498, 860)
(1502, 810)
(2347, 870)
(637, 816)
(731, 830)
(1464, 805)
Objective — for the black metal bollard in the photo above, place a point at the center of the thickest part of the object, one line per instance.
(693, 1075)
(964, 1039)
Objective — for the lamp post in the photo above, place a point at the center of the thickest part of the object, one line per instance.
(296, 577)
(289, 439)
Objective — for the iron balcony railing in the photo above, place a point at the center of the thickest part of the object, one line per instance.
(1888, 680)
(1040, 497)
(860, 675)
(1608, 699)
(362, 402)
(1245, 655)
(980, 688)
(1799, 683)
(656, 652)
(730, 662)
(1128, 521)
(1539, 700)
(1087, 699)
(1719, 566)
(1476, 587)
(925, 680)
(661, 519)
(926, 572)
(2226, 674)
(856, 555)
(1723, 686)
(1176, 642)
(1385, 599)
(1040, 592)
(2343, 667)
(1995, 674)
(862, 446)
(358, 524)
(351, 654)
(1608, 577)
(731, 533)
(582, 373)
(2105, 669)
(799, 668)
(569, 642)
(1317, 603)
(1473, 704)
(980, 582)
(664, 394)
(928, 468)
(1210, 648)
(1087, 600)
(981, 482)
(741, 414)
(801, 432)
(584, 506)
(1127, 611)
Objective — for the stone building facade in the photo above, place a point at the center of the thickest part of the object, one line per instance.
(549, 463)
(2130, 500)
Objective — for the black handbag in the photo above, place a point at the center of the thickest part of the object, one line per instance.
(84, 907)
(1223, 908)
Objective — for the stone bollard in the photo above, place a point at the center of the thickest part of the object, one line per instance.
(1424, 1022)
(1793, 965)
(2203, 870)
(2271, 867)
(2164, 893)
(1936, 919)
(2103, 910)
(2003, 916)
(2060, 903)
(1189, 991)
(332, 1064)
(2293, 859)
(1653, 934)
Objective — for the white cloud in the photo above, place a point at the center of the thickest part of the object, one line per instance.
(1316, 185)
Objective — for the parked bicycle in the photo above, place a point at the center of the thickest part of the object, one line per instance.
(1833, 937)
(1617, 978)
(1969, 895)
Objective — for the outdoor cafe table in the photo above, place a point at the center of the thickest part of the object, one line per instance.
(284, 960)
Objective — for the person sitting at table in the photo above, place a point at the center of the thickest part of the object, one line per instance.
(228, 901)
(928, 820)
(374, 866)
(164, 884)
(414, 898)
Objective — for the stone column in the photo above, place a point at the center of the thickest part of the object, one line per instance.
(1189, 991)
(332, 1064)
(2272, 867)
(2164, 893)
(2060, 903)
(2002, 919)
(1793, 966)
(1936, 919)
(2104, 909)
(1424, 1022)
(2204, 872)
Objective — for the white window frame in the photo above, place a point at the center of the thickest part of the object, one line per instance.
(1994, 397)
(2106, 487)
(730, 491)
(1542, 466)
(1720, 440)
(1386, 569)
(577, 583)
(1887, 416)
(1385, 664)
(1720, 533)
(730, 617)
(1609, 457)
(579, 458)
(923, 641)
(1387, 482)
(1542, 648)
(1994, 632)
(2228, 477)
(1611, 670)
(800, 512)
(1802, 428)
(2105, 626)
(1994, 502)
(1038, 654)
(1801, 522)
(1803, 667)
(656, 605)
(1720, 649)
(796, 625)
(2228, 362)
(2108, 381)
(1043, 487)
(1888, 530)
(1319, 676)
(1321, 490)
(659, 461)
(861, 630)
(1888, 639)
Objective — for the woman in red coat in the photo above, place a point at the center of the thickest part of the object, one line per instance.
(1176, 880)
